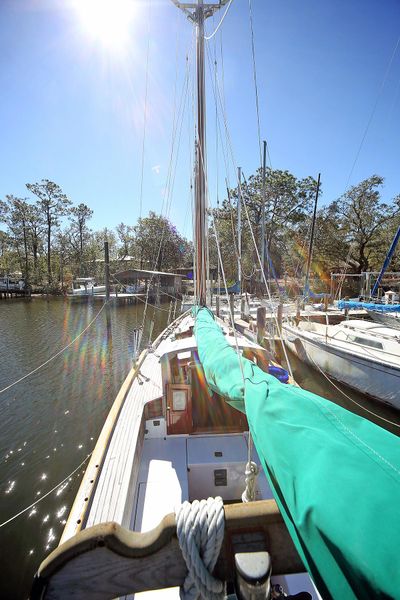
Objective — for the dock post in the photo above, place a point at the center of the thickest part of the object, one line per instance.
(298, 301)
(326, 302)
(107, 270)
(242, 308)
(280, 316)
(169, 313)
(174, 313)
(231, 300)
(260, 324)
(217, 304)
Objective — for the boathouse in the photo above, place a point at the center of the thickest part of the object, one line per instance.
(139, 280)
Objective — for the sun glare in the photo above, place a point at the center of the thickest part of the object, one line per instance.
(107, 21)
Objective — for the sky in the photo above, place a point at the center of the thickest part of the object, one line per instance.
(101, 108)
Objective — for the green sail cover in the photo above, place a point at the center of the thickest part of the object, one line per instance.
(335, 475)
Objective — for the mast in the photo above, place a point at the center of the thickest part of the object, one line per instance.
(263, 214)
(386, 262)
(198, 12)
(310, 248)
(239, 228)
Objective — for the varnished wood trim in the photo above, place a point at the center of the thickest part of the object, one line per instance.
(107, 561)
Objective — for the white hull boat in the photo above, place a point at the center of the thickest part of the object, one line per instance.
(363, 355)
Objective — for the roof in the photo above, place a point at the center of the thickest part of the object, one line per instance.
(145, 272)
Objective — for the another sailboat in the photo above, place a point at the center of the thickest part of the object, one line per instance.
(178, 431)
(362, 354)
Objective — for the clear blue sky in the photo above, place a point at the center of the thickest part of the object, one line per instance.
(71, 110)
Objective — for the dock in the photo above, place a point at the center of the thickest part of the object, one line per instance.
(265, 330)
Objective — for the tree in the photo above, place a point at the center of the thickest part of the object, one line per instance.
(288, 202)
(15, 213)
(36, 228)
(159, 243)
(5, 252)
(126, 236)
(53, 204)
(79, 231)
(363, 218)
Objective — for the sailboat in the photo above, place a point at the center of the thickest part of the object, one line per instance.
(179, 489)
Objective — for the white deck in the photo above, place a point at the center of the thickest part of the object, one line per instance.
(113, 488)
(162, 474)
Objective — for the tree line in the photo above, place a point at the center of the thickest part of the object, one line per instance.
(352, 233)
(50, 242)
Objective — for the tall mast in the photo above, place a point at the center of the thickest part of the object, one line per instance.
(198, 12)
(239, 228)
(263, 213)
(310, 248)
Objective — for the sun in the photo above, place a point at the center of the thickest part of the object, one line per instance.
(107, 21)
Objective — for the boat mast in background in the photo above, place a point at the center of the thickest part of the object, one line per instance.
(198, 12)
(387, 261)
(263, 214)
(310, 248)
(239, 228)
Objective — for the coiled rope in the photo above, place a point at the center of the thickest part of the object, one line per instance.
(200, 529)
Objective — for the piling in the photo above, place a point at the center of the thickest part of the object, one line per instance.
(280, 316)
(260, 324)
(107, 270)
(232, 305)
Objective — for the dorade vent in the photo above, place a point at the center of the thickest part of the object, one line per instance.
(220, 477)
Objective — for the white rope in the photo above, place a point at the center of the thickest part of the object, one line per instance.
(251, 472)
(24, 510)
(200, 530)
(209, 37)
(55, 355)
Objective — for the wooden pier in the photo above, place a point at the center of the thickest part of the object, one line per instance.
(14, 293)
(265, 330)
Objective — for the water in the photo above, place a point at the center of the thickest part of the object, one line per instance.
(50, 422)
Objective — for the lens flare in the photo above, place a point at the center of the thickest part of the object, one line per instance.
(107, 21)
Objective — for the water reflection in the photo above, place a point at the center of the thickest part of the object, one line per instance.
(50, 421)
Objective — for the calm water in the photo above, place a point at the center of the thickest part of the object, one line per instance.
(49, 422)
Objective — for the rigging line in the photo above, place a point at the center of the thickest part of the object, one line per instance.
(253, 52)
(209, 37)
(343, 275)
(228, 142)
(171, 169)
(176, 117)
(232, 319)
(55, 355)
(145, 111)
(24, 510)
(235, 243)
(378, 97)
(267, 286)
(222, 268)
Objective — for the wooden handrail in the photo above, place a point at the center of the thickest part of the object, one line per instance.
(107, 561)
